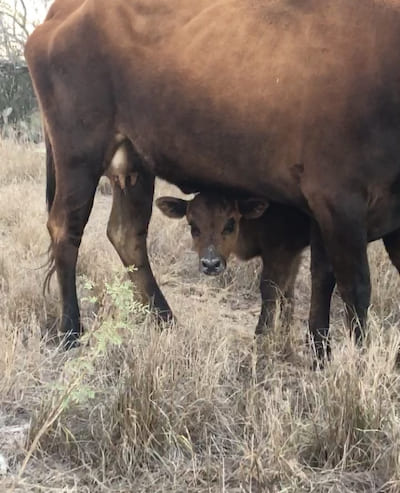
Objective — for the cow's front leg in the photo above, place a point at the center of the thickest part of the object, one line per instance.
(322, 285)
(342, 223)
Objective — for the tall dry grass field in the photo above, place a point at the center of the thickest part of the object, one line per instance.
(200, 407)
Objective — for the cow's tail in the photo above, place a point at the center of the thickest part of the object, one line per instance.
(50, 193)
(50, 173)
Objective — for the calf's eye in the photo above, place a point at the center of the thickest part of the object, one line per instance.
(229, 227)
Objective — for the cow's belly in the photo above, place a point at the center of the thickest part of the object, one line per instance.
(212, 153)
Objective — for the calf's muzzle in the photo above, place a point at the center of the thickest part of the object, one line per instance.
(211, 262)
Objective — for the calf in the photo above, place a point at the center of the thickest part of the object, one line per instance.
(249, 228)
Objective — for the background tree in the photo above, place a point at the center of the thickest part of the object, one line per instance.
(18, 107)
(14, 29)
(17, 20)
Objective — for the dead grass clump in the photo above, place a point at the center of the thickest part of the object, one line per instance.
(22, 254)
(385, 283)
(21, 163)
(352, 409)
(155, 394)
(17, 371)
(193, 401)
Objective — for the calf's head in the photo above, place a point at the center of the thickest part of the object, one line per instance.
(214, 223)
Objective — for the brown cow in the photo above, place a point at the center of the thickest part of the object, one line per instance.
(296, 101)
(221, 226)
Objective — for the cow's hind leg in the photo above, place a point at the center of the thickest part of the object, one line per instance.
(76, 182)
(127, 231)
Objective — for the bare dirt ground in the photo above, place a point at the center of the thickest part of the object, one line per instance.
(201, 407)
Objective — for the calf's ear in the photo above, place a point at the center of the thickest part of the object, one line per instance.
(172, 207)
(252, 208)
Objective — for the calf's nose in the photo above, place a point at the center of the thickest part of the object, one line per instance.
(211, 266)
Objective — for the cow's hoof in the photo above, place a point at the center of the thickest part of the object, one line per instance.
(260, 331)
(165, 319)
(320, 358)
(71, 341)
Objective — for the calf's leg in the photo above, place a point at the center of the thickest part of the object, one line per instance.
(288, 295)
(278, 276)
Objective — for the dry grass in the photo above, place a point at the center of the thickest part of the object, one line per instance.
(201, 407)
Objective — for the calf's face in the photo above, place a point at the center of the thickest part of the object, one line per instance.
(214, 224)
